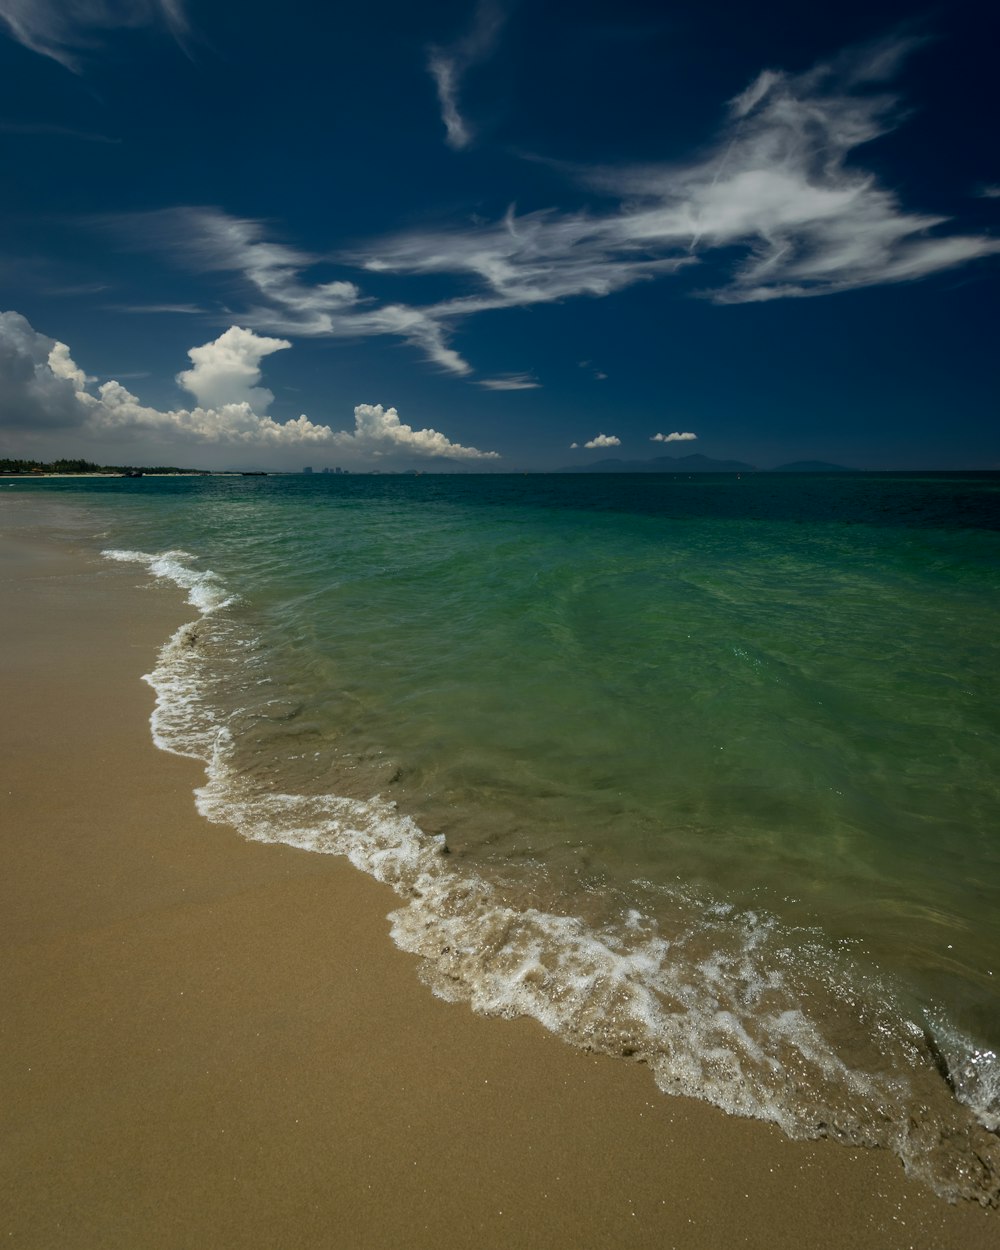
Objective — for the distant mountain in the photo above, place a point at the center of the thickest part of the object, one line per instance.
(813, 466)
(663, 464)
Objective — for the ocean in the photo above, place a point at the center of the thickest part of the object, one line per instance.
(700, 771)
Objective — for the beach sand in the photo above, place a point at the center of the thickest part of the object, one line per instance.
(213, 1043)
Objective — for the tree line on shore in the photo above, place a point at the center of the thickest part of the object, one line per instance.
(83, 466)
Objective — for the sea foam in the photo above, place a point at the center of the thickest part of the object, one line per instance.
(205, 590)
(726, 1005)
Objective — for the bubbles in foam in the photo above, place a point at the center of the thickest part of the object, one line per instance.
(205, 590)
(722, 1004)
(973, 1071)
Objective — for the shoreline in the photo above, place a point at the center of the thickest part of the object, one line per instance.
(208, 1040)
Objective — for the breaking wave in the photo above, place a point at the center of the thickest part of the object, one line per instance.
(724, 1004)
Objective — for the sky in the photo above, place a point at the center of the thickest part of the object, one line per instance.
(498, 236)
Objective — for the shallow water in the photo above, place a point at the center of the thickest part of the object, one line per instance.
(713, 759)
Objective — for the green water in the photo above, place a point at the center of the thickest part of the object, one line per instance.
(635, 703)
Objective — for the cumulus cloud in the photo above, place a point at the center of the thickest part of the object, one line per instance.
(379, 431)
(42, 387)
(39, 382)
(65, 30)
(448, 66)
(603, 440)
(228, 370)
(64, 366)
(676, 437)
(115, 409)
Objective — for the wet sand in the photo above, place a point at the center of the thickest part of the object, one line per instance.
(211, 1043)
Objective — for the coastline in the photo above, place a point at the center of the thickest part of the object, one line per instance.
(213, 1041)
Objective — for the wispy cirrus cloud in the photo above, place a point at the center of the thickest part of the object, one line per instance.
(207, 240)
(539, 258)
(449, 65)
(187, 310)
(510, 382)
(781, 191)
(778, 184)
(66, 30)
(35, 130)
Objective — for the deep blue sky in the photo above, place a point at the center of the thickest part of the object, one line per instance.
(520, 225)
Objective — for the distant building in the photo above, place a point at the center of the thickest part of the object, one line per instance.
(307, 469)
(326, 470)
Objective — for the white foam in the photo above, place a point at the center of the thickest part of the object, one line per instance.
(205, 590)
(973, 1070)
(719, 1009)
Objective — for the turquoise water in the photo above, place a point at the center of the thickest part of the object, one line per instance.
(713, 759)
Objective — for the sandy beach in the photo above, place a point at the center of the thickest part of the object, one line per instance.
(208, 1042)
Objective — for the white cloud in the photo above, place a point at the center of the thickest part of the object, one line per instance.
(604, 440)
(116, 409)
(422, 328)
(63, 366)
(187, 310)
(42, 388)
(510, 382)
(537, 258)
(780, 184)
(782, 190)
(66, 29)
(379, 431)
(676, 437)
(990, 192)
(448, 66)
(444, 71)
(228, 370)
(39, 381)
(208, 240)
